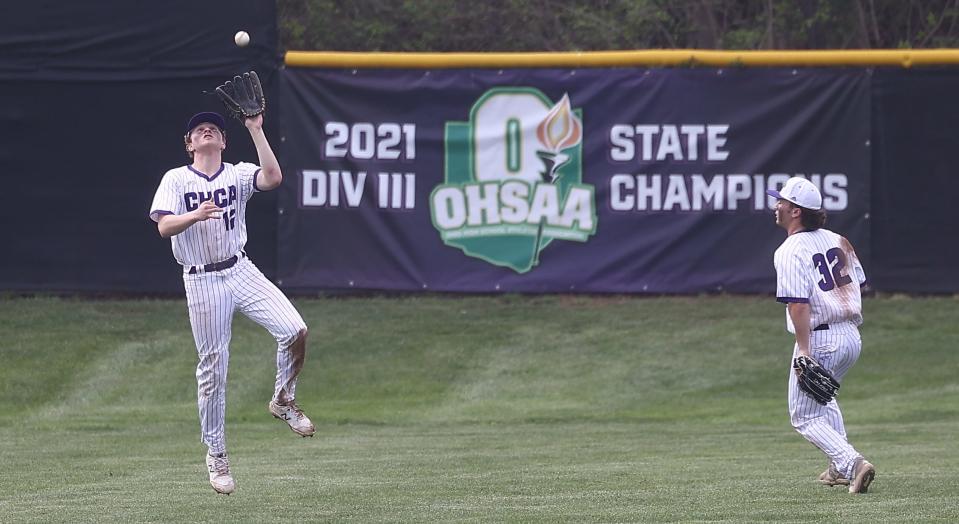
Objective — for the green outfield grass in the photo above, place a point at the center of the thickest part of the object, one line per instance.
(533, 409)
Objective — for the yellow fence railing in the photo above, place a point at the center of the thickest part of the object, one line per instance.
(660, 58)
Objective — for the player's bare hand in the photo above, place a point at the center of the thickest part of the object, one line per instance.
(207, 210)
(254, 122)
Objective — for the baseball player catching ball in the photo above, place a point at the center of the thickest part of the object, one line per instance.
(201, 207)
(819, 278)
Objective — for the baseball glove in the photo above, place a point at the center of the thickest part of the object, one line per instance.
(243, 96)
(815, 380)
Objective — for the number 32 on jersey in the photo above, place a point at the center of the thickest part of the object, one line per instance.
(830, 266)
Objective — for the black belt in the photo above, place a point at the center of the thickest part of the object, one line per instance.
(821, 327)
(218, 266)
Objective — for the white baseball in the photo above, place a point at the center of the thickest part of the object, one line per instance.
(242, 38)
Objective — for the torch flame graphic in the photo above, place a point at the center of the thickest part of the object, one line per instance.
(560, 130)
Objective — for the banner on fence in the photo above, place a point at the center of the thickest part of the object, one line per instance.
(546, 180)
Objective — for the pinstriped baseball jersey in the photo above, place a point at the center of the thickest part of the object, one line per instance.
(820, 268)
(183, 189)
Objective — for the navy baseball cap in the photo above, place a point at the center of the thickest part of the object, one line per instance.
(200, 118)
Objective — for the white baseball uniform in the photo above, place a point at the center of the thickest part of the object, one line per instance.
(219, 279)
(821, 268)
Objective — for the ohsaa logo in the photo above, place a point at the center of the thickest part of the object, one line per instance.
(514, 179)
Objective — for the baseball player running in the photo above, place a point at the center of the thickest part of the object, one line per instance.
(819, 278)
(201, 207)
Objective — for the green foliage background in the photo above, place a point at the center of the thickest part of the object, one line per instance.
(594, 25)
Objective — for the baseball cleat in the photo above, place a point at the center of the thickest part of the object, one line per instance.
(220, 478)
(294, 416)
(832, 477)
(863, 474)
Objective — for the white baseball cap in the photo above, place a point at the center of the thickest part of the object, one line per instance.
(799, 191)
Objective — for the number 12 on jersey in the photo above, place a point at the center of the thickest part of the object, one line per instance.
(229, 219)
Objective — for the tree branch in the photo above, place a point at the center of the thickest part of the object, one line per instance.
(929, 35)
(875, 24)
(768, 37)
(863, 26)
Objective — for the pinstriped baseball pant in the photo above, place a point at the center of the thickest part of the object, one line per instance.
(836, 349)
(212, 298)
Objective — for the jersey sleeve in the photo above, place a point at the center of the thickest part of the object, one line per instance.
(858, 272)
(794, 282)
(247, 174)
(166, 199)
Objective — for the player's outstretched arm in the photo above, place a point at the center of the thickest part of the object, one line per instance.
(270, 174)
(170, 225)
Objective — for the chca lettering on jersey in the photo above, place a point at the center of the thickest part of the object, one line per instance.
(221, 197)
